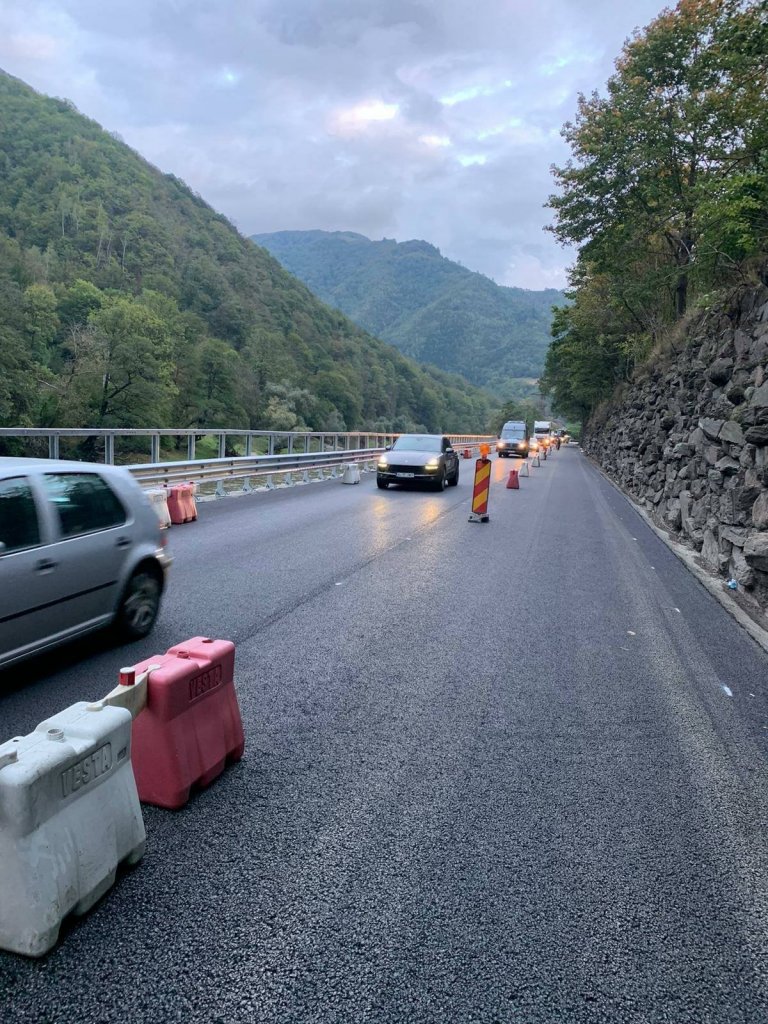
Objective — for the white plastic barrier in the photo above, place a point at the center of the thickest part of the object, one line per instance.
(69, 814)
(158, 499)
(351, 473)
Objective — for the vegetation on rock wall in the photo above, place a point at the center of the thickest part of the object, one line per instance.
(125, 300)
(666, 193)
(429, 307)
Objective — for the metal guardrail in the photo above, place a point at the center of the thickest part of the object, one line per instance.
(332, 451)
(201, 471)
(106, 439)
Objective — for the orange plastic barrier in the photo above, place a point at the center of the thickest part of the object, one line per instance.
(467, 453)
(188, 501)
(181, 503)
(191, 725)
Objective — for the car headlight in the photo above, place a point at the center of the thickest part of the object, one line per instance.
(432, 464)
(383, 462)
(501, 444)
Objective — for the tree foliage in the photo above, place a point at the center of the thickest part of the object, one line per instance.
(666, 192)
(126, 301)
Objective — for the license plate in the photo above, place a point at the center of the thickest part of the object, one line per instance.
(408, 475)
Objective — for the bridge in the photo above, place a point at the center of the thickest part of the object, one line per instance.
(493, 772)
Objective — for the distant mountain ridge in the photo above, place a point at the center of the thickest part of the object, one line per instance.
(431, 308)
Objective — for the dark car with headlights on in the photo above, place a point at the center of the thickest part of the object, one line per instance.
(419, 459)
(80, 548)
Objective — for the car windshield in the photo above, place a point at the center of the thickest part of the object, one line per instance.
(417, 443)
(513, 435)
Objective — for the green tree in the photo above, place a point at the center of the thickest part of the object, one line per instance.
(133, 367)
(684, 113)
(40, 319)
(78, 301)
(666, 193)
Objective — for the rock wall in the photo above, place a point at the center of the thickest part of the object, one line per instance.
(688, 440)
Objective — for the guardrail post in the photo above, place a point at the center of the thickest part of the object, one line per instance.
(53, 446)
(247, 488)
(222, 446)
(191, 440)
(290, 444)
(154, 448)
(249, 444)
(219, 492)
(271, 445)
(109, 450)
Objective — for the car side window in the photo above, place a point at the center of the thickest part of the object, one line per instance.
(19, 526)
(84, 503)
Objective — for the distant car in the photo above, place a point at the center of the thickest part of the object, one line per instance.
(419, 458)
(512, 442)
(80, 548)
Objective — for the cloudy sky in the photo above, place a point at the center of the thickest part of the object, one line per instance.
(433, 119)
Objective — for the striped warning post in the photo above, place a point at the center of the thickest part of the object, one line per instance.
(479, 513)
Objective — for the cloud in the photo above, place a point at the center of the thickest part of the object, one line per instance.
(432, 119)
(362, 116)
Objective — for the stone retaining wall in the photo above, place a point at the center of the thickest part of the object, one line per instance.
(688, 439)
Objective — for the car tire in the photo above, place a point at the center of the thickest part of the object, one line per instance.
(453, 482)
(139, 605)
(382, 484)
(441, 482)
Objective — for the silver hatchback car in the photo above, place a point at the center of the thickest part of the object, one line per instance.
(80, 548)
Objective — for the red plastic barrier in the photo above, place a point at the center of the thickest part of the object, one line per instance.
(188, 501)
(176, 507)
(513, 482)
(191, 725)
(467, 453)
(181, 503)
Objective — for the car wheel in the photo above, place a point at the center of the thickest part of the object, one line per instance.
(454, 479)
(382, 484)
(139, 606)
(441, 481)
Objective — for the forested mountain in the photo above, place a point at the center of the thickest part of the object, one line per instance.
(431, 308)
(125, 300)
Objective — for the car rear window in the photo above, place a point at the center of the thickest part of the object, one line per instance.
(84, 503)
(19, 527)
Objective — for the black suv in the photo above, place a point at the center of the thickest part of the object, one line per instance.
(419, 458)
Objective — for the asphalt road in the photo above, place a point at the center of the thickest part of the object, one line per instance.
(503, 772)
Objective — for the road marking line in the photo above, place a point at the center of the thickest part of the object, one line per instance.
(727, 689)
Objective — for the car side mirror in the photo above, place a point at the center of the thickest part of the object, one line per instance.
(448, 450)
(388, 448)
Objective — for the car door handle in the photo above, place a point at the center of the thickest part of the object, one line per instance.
(123, 542)
(45, 565)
